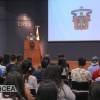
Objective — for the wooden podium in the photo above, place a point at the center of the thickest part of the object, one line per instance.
(32, 49)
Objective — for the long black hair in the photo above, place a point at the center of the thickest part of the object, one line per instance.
(62, 64)
(52, 73)
(16, 79)
(47, 91)
(26, 68)
(94, 92)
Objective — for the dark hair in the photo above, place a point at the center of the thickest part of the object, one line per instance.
(30, 32)
(46, 58)
(1, 59)
(61, 56)
(81, 61)
(15, 78)
(13, 57)
(19, 59)
(94, 92)
(52, 73)
(62, 64)
(27, 69)
(44, 63)
(47, 91)
(6, 58)
(29, 58)
(17, 69)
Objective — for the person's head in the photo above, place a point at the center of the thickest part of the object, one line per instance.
(17, 69)
(62, 64)
(13, 58)
(95, 60)
(15, 78)
(39, 66)
(26, 68)
(1, 60)
(29, 58)
(46, 58)
(61, 56)
(6, 58)
(19, 59)
(52, 73)
(81, 61)
(47, 91)
(30, 34)
(44, 64)
(47, 55)
(94, 92)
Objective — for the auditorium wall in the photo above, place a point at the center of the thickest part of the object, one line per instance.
(2, 28)
(16, 27)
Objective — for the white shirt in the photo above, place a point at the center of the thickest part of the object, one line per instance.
(32, 82)
(3, 69)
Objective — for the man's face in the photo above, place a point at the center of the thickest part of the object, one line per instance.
(31, 34)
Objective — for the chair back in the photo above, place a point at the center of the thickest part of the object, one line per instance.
(80, 85)
(81, 95)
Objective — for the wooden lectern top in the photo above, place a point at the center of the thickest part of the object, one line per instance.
(28, 42)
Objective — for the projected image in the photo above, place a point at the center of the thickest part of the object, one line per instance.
(74, 20)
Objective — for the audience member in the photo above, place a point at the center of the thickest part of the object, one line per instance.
(39, 66)
(1, 66)
(62, 56)
(96, 74)
(19, 59)
(47, 91)
(6, 59)
(80, 74)
(12, 62)
(52, 73)
(94, 92)
(94, 66)
(15, 78)
(46, 58)
(17, 69)
(30, 59)
(29, 79)
(63, 67)
(39, 73)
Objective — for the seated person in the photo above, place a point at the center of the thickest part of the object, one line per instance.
(1, 66)
(63, 67)
(96, 74)
(94, 66)
(39, 73)
(80, 74)
(47, 91)
(52, 73)
(6, 60)
(94, 92)
(19, 60)
(62, 56)
(30, 59)
(31, 37)
(29, 79)
(12, 62)
(23, 92)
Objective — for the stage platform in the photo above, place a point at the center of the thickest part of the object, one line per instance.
(73, 64)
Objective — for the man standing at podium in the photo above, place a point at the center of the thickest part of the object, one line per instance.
(31, 37)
